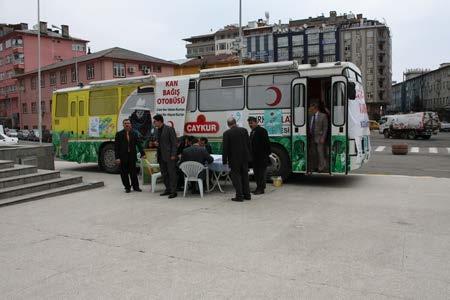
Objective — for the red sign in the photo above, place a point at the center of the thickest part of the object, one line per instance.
(202, 126)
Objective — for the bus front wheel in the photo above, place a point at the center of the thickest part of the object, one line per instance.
(280, 162)
(107, 160)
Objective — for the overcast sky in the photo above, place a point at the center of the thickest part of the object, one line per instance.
(420, 29)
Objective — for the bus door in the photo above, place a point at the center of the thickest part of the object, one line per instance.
(73, 116)
(298, 126)
(339, 132)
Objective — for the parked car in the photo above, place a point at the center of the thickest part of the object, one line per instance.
(23, 134)
(6, 140)
(373, 125)
(12, 133)
(34, 135)
(445, 126)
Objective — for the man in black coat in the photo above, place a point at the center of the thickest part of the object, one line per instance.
(166, 141)
(236, 153)
(260, 144)
(197, 153)
(125, 144)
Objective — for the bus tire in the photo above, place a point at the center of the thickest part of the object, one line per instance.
(412, 135)
(386, 133)
(107, 159)
(281, 163)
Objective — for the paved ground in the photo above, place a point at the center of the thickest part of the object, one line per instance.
(360, 236)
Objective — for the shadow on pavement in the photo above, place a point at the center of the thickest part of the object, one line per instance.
(336, 181)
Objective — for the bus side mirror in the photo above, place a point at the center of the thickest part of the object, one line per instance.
(351, 90)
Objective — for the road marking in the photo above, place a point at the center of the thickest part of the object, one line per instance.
(414, 149)
(448, 150)
(380, 148)
(433, 150)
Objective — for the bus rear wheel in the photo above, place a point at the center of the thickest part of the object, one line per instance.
(411, 135)
(281, 164)
(386, 134)
(107, 160)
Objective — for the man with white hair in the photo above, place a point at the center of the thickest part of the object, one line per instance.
(236, 153)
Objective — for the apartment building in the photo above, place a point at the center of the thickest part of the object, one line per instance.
(18, 55)
(423, 90)
(102, 65)
(345, 37)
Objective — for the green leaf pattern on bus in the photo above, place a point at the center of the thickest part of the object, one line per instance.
(338, 153)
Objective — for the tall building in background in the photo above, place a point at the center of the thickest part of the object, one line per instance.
(18, 55)
(346, 37)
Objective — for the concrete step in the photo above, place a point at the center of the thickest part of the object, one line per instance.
(51, 193)
(6, 164)
(17, 170)
(39, 186)
(41, 175)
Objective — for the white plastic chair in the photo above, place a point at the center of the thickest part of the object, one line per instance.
(155, 177)
(191, 170)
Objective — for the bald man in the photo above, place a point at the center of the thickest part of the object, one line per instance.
(236, 153)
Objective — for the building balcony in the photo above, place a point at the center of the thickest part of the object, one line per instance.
(17, 49)
(19, 64)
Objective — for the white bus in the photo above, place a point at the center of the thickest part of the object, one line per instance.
(277, 94)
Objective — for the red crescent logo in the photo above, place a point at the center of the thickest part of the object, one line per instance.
(277, 96)
(171, 123)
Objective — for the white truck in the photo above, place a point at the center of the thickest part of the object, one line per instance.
(410, 126)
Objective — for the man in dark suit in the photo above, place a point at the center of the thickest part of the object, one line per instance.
(125, 144)
(197, 153)
(259, 139)
(236, 153)
(166, 142)
(318, 131)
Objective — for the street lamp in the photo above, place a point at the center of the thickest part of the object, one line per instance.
(240, 32)
(39, 74)
(76, 60)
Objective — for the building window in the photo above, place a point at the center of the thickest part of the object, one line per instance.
(283, 54)
(73, 74)
(33, 82)
(119, 70)
(249, 45)
(42, 80)
(52, 78)
(63, 77)
(90, 74)
(33, 107)
(313, 50)
(43, 106)
(313, 38)
(24, 108)
(370, 34)
(157, 69)
(297, 52)
(329, 49)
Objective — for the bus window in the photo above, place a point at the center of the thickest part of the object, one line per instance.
(81, 108)
(192, 96)
(299, 104)
(339, 103)
(62, 105)
(269, 91)
(103, 102)
(73, 109)
(221, 94)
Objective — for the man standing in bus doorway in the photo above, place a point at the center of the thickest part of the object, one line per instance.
(166, 142)
(125, 144)
(318, 129)
(260, 143)
(236, 152)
